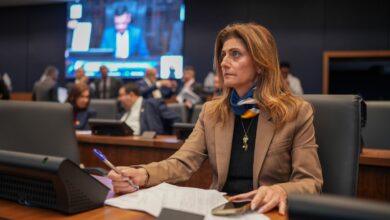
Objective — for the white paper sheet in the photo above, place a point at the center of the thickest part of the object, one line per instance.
(188, 199)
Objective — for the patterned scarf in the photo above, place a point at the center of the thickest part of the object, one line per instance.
(245, 106)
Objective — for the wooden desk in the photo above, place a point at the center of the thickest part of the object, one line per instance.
(21, 96)
(12, 210)
(130, 150)
(374, 174)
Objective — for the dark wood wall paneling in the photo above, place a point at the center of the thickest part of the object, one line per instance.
(33, 36)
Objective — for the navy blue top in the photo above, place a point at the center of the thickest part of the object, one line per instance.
(81, 118)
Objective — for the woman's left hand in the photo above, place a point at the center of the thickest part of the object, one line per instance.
(265, 198)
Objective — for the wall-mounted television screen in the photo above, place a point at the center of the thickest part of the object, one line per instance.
(366, 73)
(127, 36)
(368, 77)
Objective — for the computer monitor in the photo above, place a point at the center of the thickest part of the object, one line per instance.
(38, 127)
(48, 182)
(109, 127)
(183, 130)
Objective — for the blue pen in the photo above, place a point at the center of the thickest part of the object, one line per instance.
(103, 158)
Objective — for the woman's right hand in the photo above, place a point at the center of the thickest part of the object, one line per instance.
(139, 176)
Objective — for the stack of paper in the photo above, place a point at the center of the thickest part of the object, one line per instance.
(188, 199)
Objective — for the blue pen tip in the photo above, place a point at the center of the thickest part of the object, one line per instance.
(99, 154)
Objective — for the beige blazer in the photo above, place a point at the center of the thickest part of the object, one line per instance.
(286, 157)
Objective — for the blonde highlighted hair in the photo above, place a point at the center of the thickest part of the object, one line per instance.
(272, 92)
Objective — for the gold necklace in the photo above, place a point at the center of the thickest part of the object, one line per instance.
(245, 139)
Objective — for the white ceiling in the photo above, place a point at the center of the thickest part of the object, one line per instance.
(29, 2)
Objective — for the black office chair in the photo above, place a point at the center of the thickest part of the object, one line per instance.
(183, 130)
(337, 127)
(105, 108)
(38, 128)
(376, 132)
(180, 109)
(196, 112)
(325, 207)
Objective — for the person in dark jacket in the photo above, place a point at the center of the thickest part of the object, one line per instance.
(4, 93)
(150, 87)
(46, 88)
(106, 87)
(79, 98)
(145, 114)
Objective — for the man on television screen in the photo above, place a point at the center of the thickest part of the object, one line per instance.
(126, 39)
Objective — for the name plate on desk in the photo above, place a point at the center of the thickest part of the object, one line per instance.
(149, 134)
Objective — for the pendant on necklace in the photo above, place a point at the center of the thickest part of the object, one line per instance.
(245, 142)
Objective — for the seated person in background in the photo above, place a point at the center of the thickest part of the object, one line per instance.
(46, 88)
(258, 137)
(145, 114)
(125, 39)
(79, 77)
(4, 93)
(208, 83)
(79, 98)
(217, 87)
(293, 82)
(106, 87)
(7, 80)
(150, 87)
(190, 91)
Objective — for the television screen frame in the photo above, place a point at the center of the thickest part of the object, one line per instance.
(110, 127)
(160, 25)
(364, 57)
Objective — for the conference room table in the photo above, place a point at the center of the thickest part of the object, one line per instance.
(374, 164)
(134, 150)
(374, 174)
(13, 210)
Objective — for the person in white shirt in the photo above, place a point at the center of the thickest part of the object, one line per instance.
(79, 77)
(293, 81)
(7, 80)
(132, 103)
(190, 91)
(126, 40)
(145, 114)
